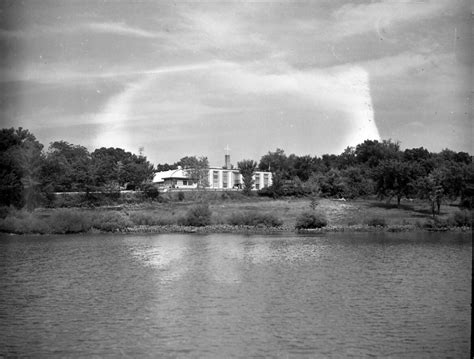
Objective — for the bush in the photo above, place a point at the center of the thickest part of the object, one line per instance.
(111, 221)
(181, 196)
(23, 222)
(69, 221)
(460, 219)
(197, 216)
(252, 218)
(150, 219)
(436, 224)
(376, 222)
(151, 192)
(311, 219)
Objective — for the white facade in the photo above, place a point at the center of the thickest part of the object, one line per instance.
(218, 178)
(223, 178)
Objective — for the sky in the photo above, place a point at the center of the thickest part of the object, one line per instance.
(183, 78)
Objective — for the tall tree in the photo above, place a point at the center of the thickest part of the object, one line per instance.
(21, 161)
(394, 178)
(430, 188)
(247, 169)
(118, 168)
(197, 169)
(371, 152)
(68, 167)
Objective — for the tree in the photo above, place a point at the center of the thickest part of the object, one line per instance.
(276, 162)
(197, 169)
(21, 160)
(247, 169)
(430, 188)
(119, 168)
(393, 178)
(371, 152)
(68, 167)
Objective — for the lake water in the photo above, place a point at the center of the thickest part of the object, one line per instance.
(175, 295)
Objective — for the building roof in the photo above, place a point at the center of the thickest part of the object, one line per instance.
(176, 174)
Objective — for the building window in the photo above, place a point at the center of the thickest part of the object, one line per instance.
(225, 179)
(215, 179)
(257, 180)
(236, 179)
(265, 180)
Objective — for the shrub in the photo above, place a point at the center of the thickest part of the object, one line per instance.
(252, 218)
(23, 222)
(436, 224)
(181, 196)
(151, 192)
(461, 219)
(150, 219)
(111, 221)
(69, 221)
(376, 222)
(197, 216)
(311, 219)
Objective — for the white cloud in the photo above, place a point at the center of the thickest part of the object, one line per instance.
(334, 90)
(354, 19)
(118, 28)
(113, 28)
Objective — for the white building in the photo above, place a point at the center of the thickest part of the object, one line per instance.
(225, 178)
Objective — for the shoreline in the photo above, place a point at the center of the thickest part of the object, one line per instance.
(250, 230)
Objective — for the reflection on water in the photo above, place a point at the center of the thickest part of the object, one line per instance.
(166, 256)
(335, 295)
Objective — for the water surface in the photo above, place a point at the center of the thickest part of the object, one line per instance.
(333, 295)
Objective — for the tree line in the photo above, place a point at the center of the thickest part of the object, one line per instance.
(30, 175)
(374, 168)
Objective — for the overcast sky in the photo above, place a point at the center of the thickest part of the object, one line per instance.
(188, 78)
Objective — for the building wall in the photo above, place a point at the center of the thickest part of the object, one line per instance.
(220, 178)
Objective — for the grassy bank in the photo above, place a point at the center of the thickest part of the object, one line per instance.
(222, 213)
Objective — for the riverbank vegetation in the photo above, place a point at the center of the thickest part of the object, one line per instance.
(68, 189)
(248, 215)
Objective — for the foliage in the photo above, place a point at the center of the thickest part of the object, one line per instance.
(393, 178)
(253, 218)
(20, 168)
(376, 222)
(430, 188)
(461, 219)
(151, 192)
(111, 221)
(116, 165)
(197, 169)
(67, 167)
(181, 196)
(372, 152)
(30, 177)
(24, 222)
(311, 220)
(70, 221)
(151, 219)
(247, 169)
(197, 216)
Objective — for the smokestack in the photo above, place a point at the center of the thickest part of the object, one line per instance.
(227, 162)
